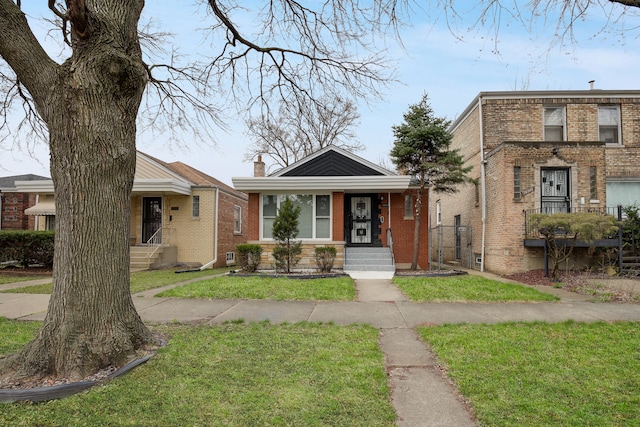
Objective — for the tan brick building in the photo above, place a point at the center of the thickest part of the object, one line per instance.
(179, 215)
(538, 151)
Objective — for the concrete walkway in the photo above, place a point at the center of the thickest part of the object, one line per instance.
(422, 395)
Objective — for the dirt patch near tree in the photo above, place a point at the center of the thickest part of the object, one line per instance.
(601, 287)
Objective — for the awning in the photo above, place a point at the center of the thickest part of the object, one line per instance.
(45, 206)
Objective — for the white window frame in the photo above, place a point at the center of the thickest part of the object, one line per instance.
(409, 206)
(237, 219)
(195, 206)
(618, 124)
(563, 122)
(438, 213)
(281, 196)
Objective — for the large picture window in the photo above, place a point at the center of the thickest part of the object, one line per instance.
(314, 221)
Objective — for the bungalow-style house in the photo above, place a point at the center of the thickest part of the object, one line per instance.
(536, 151)
(13, 203)
(363, 210)
(179, 215)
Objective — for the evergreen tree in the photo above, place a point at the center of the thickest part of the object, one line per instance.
(422, 150)
(285, 230)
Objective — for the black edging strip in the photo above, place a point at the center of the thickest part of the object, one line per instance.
(41, 394)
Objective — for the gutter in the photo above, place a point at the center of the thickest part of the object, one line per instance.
(483, 186)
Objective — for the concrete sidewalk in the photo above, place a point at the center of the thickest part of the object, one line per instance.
(422, 395)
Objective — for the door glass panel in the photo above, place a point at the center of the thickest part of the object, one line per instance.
(554, 190)
(361, 217)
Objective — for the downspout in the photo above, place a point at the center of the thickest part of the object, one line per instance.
(483, 186)
(215, 244)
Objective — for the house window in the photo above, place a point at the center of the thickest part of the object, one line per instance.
(196, 206)
(231, 258)
(517, 193)
(554, 119)
(237, 219)
(609, 124)
(438, 213)
(593, 183)
(314, 221)
(50, 222)
(408, 206)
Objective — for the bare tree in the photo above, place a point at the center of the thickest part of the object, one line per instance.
(295, 133)
(88, 105)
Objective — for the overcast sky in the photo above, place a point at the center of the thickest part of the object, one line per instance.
(451, 69)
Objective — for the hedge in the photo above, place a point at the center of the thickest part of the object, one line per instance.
(27, 247)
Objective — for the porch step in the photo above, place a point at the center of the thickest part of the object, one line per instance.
(368, 259)
(138, 259)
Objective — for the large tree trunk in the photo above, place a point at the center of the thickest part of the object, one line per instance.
(90, 110)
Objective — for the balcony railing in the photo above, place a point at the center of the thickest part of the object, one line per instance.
(530, 231)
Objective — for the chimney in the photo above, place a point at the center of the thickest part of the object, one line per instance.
(591, 82)
(258, 167)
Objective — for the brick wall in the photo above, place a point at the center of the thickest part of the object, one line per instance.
(403, 229)
(513, 134)
(12, 216)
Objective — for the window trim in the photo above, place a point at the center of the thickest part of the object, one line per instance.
(280, 197)
(563, 124)
(618, 125)
(195, 206)
(408, 198)
(438, 212)
(237, 221)
(517, 183)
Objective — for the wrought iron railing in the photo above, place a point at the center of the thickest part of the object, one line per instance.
(390, 243)
(162, 237)
(531, 232)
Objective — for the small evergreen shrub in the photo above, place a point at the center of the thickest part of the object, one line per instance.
(27, 247)
(325, 257)
(285, 229)
(249, 256)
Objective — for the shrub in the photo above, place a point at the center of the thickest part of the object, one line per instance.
(285, 229)
(325, 257)
(27, 247)
(249, 256)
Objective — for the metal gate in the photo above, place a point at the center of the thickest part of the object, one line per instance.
(451, 245)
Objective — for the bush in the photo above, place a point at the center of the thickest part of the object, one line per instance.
(325, 257)
(27, 247)
(249, 256)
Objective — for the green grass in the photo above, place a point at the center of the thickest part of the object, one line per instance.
(7, 278)
(140, 280)
(466, 288)
(237, 374)
(274, 288)
(563, 374)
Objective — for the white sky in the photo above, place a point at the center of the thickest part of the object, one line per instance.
(452, 72)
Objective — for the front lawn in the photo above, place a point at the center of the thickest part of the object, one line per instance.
(339, 288)
(539, 374)
(236, 374)
(140, 280)
(466, 288)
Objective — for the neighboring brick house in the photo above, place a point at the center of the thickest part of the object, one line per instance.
(13, 204)
(179, 215)
(533, 151)
(347, 202)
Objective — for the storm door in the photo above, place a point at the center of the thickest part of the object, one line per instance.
(361, 220)
(554, 191)
(151, 217)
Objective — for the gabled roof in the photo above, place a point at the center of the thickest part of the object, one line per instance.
(333, 161)
(152, 175)
(329, 169)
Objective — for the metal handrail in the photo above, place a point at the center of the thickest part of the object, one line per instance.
(162, 237)
(390, 242)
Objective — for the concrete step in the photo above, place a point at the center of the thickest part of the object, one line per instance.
(368, 259)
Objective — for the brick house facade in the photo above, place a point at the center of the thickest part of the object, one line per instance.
(365, 204)
(551, 151)
(13, 204)
(195, 219)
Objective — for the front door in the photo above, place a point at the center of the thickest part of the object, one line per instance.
(361, 220)
(554, 191)
(151, 217)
